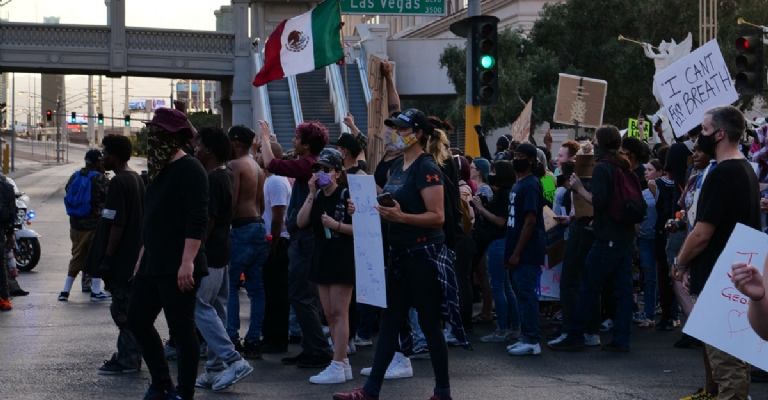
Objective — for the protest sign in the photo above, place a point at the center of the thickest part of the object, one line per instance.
(549, 283)
(580, 101)
(370, 283)
(719, 317)
(693, 85)
(633, 129)
(521, 128)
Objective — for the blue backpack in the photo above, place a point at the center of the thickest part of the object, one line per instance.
(78, 197)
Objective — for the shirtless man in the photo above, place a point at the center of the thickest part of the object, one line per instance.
(248, 237)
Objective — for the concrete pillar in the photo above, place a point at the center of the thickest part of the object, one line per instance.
(226, 103)
(373, 37)
(118, 57)
(241, 83)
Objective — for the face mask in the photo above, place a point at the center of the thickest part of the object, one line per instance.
(159, 153)
(707, 144)
(521, 165)
(393, 142)
(409, 140)
(323, 180)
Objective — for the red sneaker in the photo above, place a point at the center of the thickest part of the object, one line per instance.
(357, 394)
(5, 305)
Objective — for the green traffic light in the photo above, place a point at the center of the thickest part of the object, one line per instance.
(487, 61)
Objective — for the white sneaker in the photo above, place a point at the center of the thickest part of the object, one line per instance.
(206, 379)
(591, 340)
(559, 339)
(360, 342)
(525, 349)
(514, 345)
(232, 374)
(333, 373)
(607, 325)
(399, 368)
(348, 370)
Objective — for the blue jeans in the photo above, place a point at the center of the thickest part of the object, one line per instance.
(419, 340)
(525, 283)
(503, 295)
(210, 317)
(608, 261)
(647, 249)
(249, 253)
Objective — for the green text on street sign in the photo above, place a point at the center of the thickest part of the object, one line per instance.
(393, 7)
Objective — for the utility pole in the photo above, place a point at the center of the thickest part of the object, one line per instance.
(91, 130)
(13, 122)
(126, 111)
(58, 129)
(100, 110)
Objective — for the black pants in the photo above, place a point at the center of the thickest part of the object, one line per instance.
(465, 249)
(128, 350)
(666, 292)
(576, 248)
(275, 328)
(150, 295)
(411, 282)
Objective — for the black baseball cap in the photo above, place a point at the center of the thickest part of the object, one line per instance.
(93, 156)
(330, 158)
(410, 118)
(241, 134)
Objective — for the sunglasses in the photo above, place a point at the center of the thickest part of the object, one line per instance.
(321, 168)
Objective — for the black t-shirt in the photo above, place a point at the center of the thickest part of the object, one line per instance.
(124, 207)
(405, 187)
(667, 197)
(217, 246)
(175, 209)
(333, 258)
(382, 172)
(486, 231)
(730, 195)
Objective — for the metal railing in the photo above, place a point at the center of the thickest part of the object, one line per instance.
(293, 88)
(338, 96)
(263, 95)
(362, 68)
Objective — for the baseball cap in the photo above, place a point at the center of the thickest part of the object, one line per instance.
(528, 149)
(93, 155)
(329, 157)
(171, 121)
(241, 134)
(410, 118)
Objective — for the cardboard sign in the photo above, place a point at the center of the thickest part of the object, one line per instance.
(633, 129)
(370, 282)
(580, 101)
(693, 85)
(521, 128)
(584, 165)
(719, 317)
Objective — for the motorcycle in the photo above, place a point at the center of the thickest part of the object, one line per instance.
(27, 242)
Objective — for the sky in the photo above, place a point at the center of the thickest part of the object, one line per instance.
(168, 14)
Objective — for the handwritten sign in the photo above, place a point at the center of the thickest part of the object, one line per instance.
(633, 129)
(719, 317)
(549, 283)
(370, 283)
(693, 85)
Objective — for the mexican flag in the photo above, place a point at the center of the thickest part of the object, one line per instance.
(303, 43)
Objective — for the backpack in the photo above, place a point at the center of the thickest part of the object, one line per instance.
(627, 205)
(8, 210)
(79, 194)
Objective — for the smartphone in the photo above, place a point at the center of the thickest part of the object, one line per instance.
(385, 200)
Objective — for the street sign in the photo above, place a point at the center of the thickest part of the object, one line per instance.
(394, 7)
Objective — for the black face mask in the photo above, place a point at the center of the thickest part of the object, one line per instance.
(521, 165)
(707, 144)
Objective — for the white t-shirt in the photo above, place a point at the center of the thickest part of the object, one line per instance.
(277, 192)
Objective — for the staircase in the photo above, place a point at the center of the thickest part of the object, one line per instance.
(357, 105)
(283, 124)
(316, 101)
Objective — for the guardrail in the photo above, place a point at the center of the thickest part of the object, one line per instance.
(337, 93)
(293, 88)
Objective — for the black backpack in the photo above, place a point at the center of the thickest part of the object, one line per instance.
(627, 205)
(8, 210)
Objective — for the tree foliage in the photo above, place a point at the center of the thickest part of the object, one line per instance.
(581, 37)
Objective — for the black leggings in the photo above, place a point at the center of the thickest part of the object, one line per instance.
(150, 295)
(411, 282)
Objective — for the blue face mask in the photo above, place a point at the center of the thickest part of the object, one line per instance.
(323, 180)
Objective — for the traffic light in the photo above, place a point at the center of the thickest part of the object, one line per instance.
(100, 119)
(73, 117)
(484, 61)
(48, 115)
(750, 69)
(127, 120)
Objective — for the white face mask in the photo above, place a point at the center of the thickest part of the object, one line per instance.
(393, 141)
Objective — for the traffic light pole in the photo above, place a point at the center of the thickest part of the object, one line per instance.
(58, 131)
(471, 111)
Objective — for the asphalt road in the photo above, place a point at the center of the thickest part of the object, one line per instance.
(51, 350)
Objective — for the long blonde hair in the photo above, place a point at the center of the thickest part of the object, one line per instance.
(438, 146)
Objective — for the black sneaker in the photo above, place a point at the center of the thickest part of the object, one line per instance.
(252, 350)
(18, 292)
(238, 344)
(314, 362)
(292, 360)
(112, 367)
(613, 347)
(570, 343)
(64, 296)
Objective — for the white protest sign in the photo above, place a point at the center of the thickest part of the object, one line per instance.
(370, 283)
(719, 317)
(693, 85)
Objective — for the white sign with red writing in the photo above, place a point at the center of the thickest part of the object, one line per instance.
(719, 317)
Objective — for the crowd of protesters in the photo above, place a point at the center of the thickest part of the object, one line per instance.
(219, 211)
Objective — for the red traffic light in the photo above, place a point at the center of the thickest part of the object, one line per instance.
(747, 43)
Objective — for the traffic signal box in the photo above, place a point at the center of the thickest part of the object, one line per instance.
(750, 65)
(127, 120)
(484, 58)
(48, 115)
(100, 119)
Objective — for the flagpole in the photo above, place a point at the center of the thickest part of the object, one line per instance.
(346, 80)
